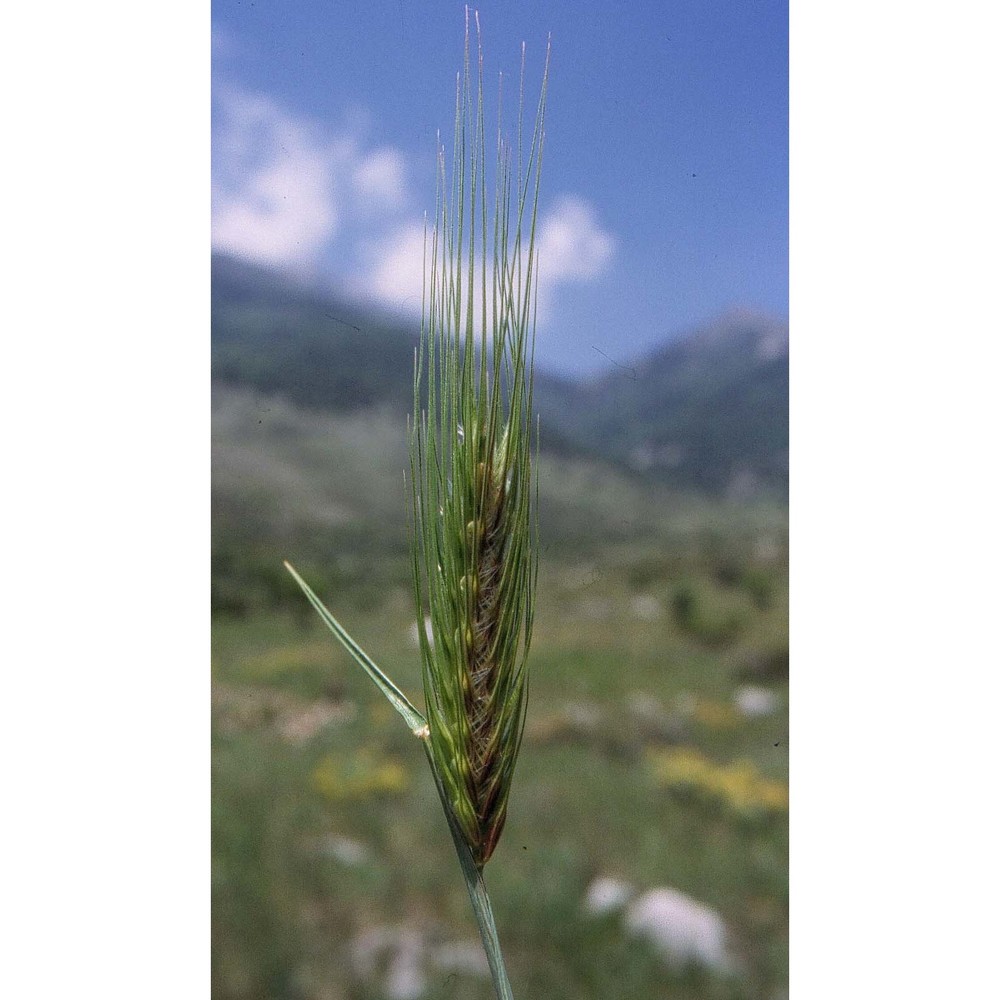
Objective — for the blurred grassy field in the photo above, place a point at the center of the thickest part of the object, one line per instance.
(655, 752)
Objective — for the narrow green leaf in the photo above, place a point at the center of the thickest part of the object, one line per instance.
(398, 700)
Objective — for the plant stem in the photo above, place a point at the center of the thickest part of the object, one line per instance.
(418, 725)
(477, 892)
(487, 930)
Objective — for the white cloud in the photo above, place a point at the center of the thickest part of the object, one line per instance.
(284, 214)
(284, 188)
(289, 192)
(381, 177)
(572, 246)
(275, 184)
(396, 267)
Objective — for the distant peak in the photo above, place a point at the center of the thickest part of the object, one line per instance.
(747, 317)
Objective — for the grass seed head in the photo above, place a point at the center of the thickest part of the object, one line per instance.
(475, 542)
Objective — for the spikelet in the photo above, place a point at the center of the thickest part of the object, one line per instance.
(475, 543)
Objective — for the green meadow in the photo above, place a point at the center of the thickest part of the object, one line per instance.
(655, 751)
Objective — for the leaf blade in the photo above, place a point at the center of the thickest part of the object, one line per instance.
(393, 694)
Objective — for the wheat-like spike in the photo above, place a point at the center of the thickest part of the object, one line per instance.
(475, 550)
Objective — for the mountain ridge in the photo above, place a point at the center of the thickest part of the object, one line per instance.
(706, 409)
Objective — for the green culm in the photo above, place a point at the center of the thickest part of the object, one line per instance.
(474, 502)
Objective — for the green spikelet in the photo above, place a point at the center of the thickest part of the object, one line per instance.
(474, 545)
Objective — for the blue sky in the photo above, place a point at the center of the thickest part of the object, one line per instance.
(665, 187)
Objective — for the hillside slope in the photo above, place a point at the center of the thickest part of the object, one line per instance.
(273, 335)
(708, 411)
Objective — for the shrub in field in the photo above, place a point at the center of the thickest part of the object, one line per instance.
(698, 616)
(736, 788)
